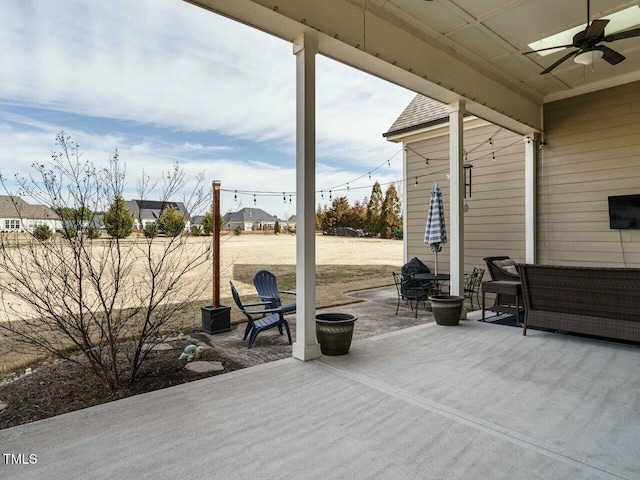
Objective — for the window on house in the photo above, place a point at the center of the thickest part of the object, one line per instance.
(12, 224)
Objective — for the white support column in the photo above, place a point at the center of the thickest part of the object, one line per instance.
(530, 194)
(456, 197)
(405, 232)
(305, 48)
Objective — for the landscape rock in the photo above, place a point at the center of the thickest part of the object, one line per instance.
(3, 406)
(158, 347)
(204, 367)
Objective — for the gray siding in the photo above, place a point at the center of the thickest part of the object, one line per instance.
(494, 224)
(593, 152)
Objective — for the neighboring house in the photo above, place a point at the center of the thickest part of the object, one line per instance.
(290, 225)
(196, 221)
(148, 211)
(577, 170)
(249, 219)
(16, 215)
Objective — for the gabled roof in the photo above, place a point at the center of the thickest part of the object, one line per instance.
(249, 215)
(14, 207)
(152, 209)
(420, 113)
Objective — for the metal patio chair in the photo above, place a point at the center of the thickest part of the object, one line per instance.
(410, 290)
(472, 282)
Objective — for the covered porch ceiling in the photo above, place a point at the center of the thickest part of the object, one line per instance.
(454, 50)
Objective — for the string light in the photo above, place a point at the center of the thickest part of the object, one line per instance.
(284, 197)
(348, 185)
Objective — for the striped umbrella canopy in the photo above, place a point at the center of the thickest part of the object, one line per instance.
(435, 234)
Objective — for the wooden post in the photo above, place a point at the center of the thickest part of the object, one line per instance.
(215, 207)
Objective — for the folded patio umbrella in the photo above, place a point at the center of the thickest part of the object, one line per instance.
(435, 235)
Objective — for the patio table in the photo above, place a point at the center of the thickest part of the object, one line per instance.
(504, 287)
(436, 278)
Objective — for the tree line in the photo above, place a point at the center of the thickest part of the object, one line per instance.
(379, 215)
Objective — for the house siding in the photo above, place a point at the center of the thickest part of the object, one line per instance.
(495, 221)
(592, 152)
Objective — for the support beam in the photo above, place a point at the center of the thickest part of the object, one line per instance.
(456, 192)
(405, 230)
(530, 193)
(305, 48)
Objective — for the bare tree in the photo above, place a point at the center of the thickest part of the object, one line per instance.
(107, 298)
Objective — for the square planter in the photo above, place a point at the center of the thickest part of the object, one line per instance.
(216, 320)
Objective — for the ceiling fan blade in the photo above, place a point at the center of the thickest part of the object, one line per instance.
(548, 48)
(610, 55)
(635, 32)
(596, 28)
(566, 57)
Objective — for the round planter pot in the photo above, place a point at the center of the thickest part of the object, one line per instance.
(334, 332)
(446, 309)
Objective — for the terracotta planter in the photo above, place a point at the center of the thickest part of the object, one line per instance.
(334, 332)
(446, 309)
(216, 320)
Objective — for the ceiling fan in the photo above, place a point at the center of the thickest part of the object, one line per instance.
(588, 45)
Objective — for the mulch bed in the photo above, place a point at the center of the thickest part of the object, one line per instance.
(63, 386)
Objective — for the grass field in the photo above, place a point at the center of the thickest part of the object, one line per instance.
(342, 265)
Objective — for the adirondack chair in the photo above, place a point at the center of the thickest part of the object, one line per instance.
(267, 287)
(260, 320)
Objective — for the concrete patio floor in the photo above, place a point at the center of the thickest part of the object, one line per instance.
(476, 401)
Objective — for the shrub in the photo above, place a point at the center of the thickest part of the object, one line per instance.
(237, 230)
(118, 219)
(276, 227)
(151, 230)
(196, 231)
(93, 233)
(42, 232)
(171, 223)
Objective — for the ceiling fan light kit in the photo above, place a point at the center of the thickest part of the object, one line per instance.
(588, 44)
(588, 58)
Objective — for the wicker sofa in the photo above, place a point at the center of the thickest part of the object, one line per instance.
(603, 302)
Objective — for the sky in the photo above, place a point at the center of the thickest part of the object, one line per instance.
(164, 81)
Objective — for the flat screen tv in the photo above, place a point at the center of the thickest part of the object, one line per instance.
(624, 211)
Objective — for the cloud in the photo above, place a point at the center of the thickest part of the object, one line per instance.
(172, 65)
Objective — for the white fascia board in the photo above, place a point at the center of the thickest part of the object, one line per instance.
(374, 41)
(434, 131)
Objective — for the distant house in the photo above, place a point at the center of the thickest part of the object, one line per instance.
(16, 215)
(196, 221)
(148, 211)
(249, 219)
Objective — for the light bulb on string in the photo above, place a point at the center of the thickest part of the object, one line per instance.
(321, 195)
(235, 195)
(416, 181)
(284, 197)
(493, 156)
(347, 186)
(426, 161)
(369, 176)
(255, 202)
(330, 197)
(289, 199)
(490, 141)
(389, 163)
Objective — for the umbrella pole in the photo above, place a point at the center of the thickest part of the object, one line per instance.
(436, 263)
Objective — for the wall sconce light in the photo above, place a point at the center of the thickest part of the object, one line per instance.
(467, 178)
